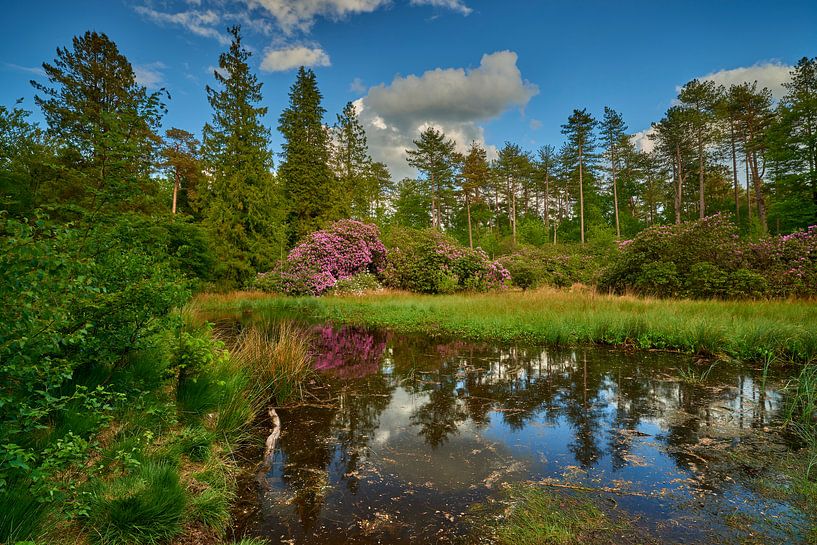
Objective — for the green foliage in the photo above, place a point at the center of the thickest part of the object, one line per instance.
(552, 265)
(143, 507)
(242, 211)
(211, 508)
(429, 261)
(304, 172)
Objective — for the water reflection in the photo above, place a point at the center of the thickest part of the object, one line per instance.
(417, 429)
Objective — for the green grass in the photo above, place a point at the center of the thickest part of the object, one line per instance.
(142, 508)
(744, 330)
(538, 517)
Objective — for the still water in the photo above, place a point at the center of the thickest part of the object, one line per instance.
(405, 434)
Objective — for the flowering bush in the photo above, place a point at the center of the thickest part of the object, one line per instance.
(342, 250)
(428, 261)
(706, 258)
(788, 262)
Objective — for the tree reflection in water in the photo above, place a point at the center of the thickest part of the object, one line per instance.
(404, 405)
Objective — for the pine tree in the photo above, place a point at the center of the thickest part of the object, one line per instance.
(434, 158)
(181, 159)
(613, 137)
(308, 184)
(105, 123)
(700, 98)
(475, 175)
(674, 139)
(352, 165)
(546, 167)
(581, 142)
(514, 168)
(243, 210)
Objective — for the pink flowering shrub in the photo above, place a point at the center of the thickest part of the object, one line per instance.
(707, 258)
(428, 261)
(788, 262)
(342, 250)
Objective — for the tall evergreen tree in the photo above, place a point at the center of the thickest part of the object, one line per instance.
(475, 174)
(105, 124)
(434, 157)
(614, 139)
(700, 98)
(182, 161)
(581, 141)
(308, 184)
(243, 209)
(674, 141)
(514, 168)
(546, 166)
(352, 165)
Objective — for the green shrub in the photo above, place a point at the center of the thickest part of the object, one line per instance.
(706, 280)
(144, 507)
(744, 283)
(428, 261)
(553, 265)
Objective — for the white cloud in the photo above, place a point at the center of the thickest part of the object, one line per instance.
(287, 58)
(454, 5)
(642, 141)
(453, 100)
(150, 75)
(38, 70)
(201, 23)
(300, 15)
(535, 124)
(767, 74)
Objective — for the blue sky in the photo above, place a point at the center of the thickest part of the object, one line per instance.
(486, 70)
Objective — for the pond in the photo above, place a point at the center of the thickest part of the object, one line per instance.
(404, 435)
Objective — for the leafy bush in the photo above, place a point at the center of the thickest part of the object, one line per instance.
(428, 261)
(707, 259)
(342, 250)
(551, 265)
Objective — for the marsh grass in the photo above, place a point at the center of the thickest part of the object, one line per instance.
(538, 517)
(744, 330)
(277, 355)
(693, 375)
(144, 507)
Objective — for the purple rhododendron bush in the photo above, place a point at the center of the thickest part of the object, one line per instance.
(707, 259)
(342, 250)
(425, 261)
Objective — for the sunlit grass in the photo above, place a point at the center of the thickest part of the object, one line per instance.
(745, 330)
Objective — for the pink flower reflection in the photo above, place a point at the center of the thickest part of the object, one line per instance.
(348, 352)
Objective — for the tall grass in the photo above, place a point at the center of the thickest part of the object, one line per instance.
(745, 330)
(277, 355)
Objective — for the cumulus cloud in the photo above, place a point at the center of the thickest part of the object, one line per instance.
(200, 23)
(453, 5)
(300, 15)
(150, 75)
(767, 74)
(453, 100)
(642, 141)
(287, 58)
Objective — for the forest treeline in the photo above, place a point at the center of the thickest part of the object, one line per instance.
(236, 210)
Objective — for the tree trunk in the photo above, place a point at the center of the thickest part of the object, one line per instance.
(175, 188)
(468, 208)
(547, 201)
(679, 183)
(615, 192)
(701, 200)
(581, 195)
(758, 186)
(734, 170)
(748, 192)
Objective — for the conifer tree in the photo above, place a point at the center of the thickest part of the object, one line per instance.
(700, 98)
(105, 123)
(434, 157)
(181, 159)
(613, 137)
(306, 178)
(352, 165)
(581, 145)
(243, 211)
(475, 175)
